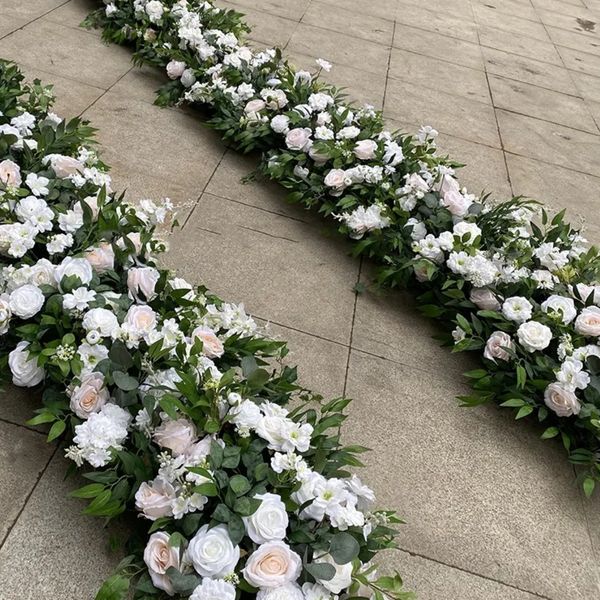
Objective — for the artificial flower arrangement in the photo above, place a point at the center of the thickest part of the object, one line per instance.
(170, 401)
(520, 287)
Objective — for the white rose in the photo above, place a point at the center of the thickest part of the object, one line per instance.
(212, 553)
(142, 280)
(496, 344)
(280, 124)
(270, 520)
(64, 166)
(563, 306)
(142, 319)
(154, 499)
(5, 314)
(534, 336)
(26, 301)
(175, 69)
(342, 578)
(484, 299)
(255, 106)
(211, 344)
(298, 138)
(24, 369)
(588, 321)
(102, 257)
(154, 10)
(159, 556)
(101, 320)
(214, 589)
(365, 149)
(272, 565)
(176, 435)
(517, 309)
(289, 591)
(89, 396)
(78, 267)
(10, 173)
(42, 273)
(562, 401)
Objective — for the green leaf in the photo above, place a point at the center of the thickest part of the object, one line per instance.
(88, 491)
(588, 486)
(44, 417)
(344, 548)
(322, 571)
(114, 588)
(239, 485)
(125, 382)
(56, 430)
(550, 433)
(524, 411)
(120, 355)
(513, 403)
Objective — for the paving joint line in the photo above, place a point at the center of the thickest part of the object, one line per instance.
(352, 322)
(487, 577)
(21, 425)
(34, 20)
(28, 497)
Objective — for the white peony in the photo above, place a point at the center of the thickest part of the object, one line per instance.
(270, 520)
(24, 368)
(534, 336)
(214, 589)
(289, 591)
(26, 301)
(212, 552)
(175, 69)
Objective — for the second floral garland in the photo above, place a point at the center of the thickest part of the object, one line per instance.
(520, 287)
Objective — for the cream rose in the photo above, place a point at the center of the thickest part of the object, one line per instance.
(456, 203)
(175, 69)
(255, 106)
(176, 436)
(211, 344)
(298, 138)
(154, 499)
(270, 520)
(142, 281)
(65, 166)
(342, 578)
(496, 344)
(212, 553)
(562, 401)
(365, 149)
(102, 257)
(484, 299)
(534, 336)
(24, 368)
(10, 173)
(141, 318)
(336, 178)
(272, 565)
(26, 301)
(89, 396)
(588, 321)
(159, 557)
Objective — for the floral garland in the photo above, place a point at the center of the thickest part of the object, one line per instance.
(520, 288)
(171, 400)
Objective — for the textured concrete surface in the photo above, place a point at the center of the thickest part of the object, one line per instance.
(513, 86)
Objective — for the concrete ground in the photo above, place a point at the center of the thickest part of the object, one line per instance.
(513, 86)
